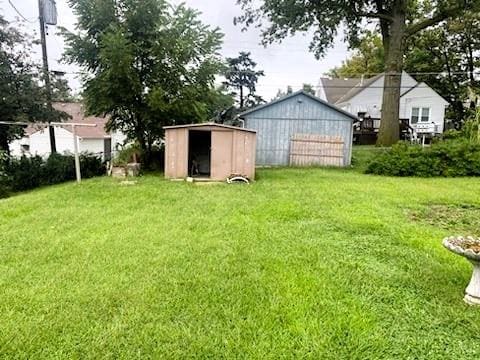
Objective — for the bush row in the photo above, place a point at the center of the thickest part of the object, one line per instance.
(19, 174)
(450, 158)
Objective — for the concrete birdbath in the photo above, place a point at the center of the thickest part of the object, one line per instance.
(469, 248)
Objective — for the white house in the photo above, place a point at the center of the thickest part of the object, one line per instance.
(89, 139)
(420, 105)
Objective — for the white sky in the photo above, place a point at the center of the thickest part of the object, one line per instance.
(288, 63)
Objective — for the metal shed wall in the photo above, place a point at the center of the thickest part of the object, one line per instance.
(300, 114)
(232, 151)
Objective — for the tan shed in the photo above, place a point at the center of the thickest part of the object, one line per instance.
(209, 151)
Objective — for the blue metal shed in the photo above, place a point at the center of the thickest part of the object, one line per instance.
(300, 117)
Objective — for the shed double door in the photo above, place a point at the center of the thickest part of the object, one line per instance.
(221, 154)
(316, 150)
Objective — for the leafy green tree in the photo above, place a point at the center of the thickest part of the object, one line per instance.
(150, 64)
(220, 105)
(398, 20)
(22, 98)
(309, 88)
(449, 55)
(61, 91)
(446, 57)
(368, 58)
(242, 77)
(281, 93)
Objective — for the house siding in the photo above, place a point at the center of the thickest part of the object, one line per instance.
(39, 143)
(300, 114)
(370, 100)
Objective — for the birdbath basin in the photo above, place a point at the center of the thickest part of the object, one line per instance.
(469, 248)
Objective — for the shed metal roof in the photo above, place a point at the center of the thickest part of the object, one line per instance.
(209, 124)
(300, 92)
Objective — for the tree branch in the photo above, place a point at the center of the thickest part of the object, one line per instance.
(374, 15)
(435, 19)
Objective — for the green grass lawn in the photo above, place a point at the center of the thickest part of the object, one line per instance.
(315, 263)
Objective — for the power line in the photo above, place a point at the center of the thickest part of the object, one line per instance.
(19, 13)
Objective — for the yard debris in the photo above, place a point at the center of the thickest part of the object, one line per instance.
(468, 243)
(237, 178)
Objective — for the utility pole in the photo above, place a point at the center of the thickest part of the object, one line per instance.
(46, 73)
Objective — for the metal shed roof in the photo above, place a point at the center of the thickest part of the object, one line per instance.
(300, 92)
(210, 124)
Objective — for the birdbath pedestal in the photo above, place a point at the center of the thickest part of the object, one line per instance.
(469, 248)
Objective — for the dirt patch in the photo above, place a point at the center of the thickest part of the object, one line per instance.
(458, 219)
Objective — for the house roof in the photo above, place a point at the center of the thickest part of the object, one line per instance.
(300, 92)
(358, 88)
(77, 113)
(336, 88)
(209, 124)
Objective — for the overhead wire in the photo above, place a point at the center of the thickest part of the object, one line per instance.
(19, 13)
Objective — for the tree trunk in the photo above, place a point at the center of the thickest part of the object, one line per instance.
(389, 132)
(242, 102)
(4, 146)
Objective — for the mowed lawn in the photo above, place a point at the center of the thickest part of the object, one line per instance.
(314, 263)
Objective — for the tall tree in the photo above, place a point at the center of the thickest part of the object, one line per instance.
(61, 91)
(22, 98)
(308, 88)
(281, 93)
(445, 56)
(398, 21)
(368, 58)
(242, 77)
(149, 64)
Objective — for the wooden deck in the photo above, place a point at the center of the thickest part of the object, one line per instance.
(365, 132)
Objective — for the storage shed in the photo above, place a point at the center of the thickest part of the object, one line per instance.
(209, 151)
(301, 130)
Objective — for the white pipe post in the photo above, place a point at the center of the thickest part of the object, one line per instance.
(77, 158)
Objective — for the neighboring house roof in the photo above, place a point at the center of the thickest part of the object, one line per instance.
(209, 124)
(336, 88)
(77, 113)
(358, 88)
(300, 92)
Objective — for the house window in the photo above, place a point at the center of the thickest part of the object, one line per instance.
(420, 115)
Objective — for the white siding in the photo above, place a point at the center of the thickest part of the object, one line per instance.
(370, 100)
(39, 143)
(424, 97)
(95, 146)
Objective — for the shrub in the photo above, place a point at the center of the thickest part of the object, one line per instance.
(451, 158)
(58, 168)
(25, 173)
(131, 152)
(19, 174)
(4, 178)
(91, 166)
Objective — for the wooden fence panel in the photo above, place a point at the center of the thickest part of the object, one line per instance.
(320, 150)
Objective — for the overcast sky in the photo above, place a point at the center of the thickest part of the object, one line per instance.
(289, 63)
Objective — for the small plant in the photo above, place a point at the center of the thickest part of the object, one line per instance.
(133, 153)
(127, 155)
(471, 128)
